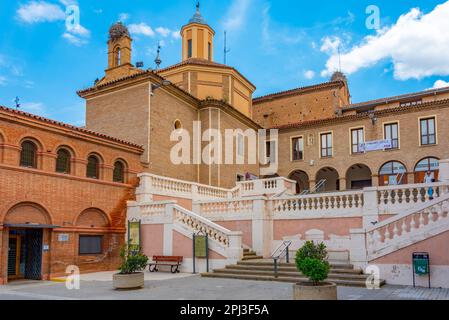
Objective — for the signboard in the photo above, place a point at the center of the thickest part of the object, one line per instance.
(421, 265)
(200, 247)
(63, 237)
(375, 145)
(134, 233)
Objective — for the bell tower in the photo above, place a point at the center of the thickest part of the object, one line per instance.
(119, 53)
(197, 38)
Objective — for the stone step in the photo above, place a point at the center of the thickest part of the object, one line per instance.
(340, 282)
(269, 262)
(251, 257)
(285, 269)
(345, 276)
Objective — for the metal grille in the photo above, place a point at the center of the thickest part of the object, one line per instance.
(63, 161)
(119, 175)
(92, 167)
(12, 257)
(28, 155)
(33, 267)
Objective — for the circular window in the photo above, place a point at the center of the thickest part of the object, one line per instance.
(178, 125)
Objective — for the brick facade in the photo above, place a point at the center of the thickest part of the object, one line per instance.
(70, 203)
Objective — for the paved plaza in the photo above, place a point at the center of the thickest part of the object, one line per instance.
(165, 286)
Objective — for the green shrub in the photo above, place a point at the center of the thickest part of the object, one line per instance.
(133, 260)
(311, 262)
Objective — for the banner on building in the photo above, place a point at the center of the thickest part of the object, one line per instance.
(134, 234)
(375, 145)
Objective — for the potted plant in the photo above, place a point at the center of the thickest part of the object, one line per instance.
(131, 275)
(311, 261)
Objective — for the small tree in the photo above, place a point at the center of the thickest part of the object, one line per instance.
(133, 260)
(311, 262)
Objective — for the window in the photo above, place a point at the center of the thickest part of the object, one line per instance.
(90, 244)
(356, 139)
(63, 161)
(431, 165)
(28, 155)
(209, 51)
(270, 151)
(297, 148)
(118, 57)
(92, 167)
(240, 145)
(393, 173)
(326, 145)
(119, 172)
(391, 132)
(189, 49)
(428, 131)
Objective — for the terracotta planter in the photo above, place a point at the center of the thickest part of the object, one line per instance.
(129, 281)
(308, 291)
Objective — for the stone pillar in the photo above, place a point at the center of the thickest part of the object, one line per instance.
(235, 250)
(343, 186)
(375, 179)
(143, 191)
(168, 230)
(444, 171)
(262, 227)
(370, 207)
(358, 253)
(312, 184)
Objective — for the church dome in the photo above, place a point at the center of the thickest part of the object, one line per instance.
(197, 17)
(338, 76)
(117, 31)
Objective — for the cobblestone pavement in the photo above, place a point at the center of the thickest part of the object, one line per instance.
(197, 288)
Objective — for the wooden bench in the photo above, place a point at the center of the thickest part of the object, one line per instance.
(173, 262)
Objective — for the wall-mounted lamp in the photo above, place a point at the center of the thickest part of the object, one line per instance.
(373, 117)
(164, 83)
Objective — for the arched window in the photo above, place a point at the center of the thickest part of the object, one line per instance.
(425, 165)
(118, 57)
(392, 173)
(28, 155)
(63, 161)
(93, 167)
(119, 172)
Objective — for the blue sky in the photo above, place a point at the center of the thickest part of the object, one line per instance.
(278, 45)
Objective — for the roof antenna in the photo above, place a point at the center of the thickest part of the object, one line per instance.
(158, 60)
(226, 50)
(17, 100)
(198, 6)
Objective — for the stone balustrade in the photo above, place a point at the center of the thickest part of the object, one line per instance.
(151, 185)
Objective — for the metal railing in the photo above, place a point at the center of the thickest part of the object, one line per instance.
(281, 252)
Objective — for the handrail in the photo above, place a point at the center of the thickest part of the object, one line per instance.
(279, 253)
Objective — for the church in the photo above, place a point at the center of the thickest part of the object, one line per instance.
(79, 186)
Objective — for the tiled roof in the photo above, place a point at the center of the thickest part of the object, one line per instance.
(297, 90)
(202, 62)
(67, 126)
(311, 123)
(392, 99)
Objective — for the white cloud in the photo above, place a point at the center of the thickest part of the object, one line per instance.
(80, 31)
(34, 107)
(309, 74)
(176, 35)
(439, 84)
(415, 45)
(236, 15)
(40, 11)
(2, 81)
(163, 31)
(123, 16)
(330, 45)
(141, 29)
(77, 41)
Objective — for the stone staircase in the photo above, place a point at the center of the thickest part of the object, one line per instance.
(249, 255)
(342, 273)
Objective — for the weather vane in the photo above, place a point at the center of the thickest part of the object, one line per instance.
(17, 100)
(158, 60)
